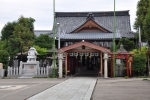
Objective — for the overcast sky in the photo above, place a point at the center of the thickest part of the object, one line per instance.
(42, 10)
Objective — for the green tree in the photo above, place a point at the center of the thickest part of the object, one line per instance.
(24, 33)
(147, 25)
(12, 46)
(2, 44)
(127, 44)
(4, 58)
(44, 41)
(139, 63)
(142, 11)
(42, 52)
(7, 30)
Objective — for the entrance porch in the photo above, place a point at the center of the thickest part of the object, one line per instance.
(83, 56)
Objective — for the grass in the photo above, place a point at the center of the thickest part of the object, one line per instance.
(145, 79)
(41, 77)
(126, 77)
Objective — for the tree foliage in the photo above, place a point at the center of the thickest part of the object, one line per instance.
(147, 25)
(4, 58)
(139, 62)
(42, 52)
(127, 44)
(2, 44)
(142, 12)
(7, 30)
(24, 32)
(44, 41)
(18, 35)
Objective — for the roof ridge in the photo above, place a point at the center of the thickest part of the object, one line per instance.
(92, 11)
(95, 13)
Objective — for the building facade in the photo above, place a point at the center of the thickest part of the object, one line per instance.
(85, 36)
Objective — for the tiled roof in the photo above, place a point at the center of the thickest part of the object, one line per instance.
(96, 23)
(38, 32)
(87, 36)
(129, 34)
(83, 43)
(70, 21)
(96, 14)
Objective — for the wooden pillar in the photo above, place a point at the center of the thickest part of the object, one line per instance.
(130, 66)
(72, 65)
(70, 60)
(127, 68)
(111, 69)
(66, 63)
(76, 67)
(101, 64)
(68, 67)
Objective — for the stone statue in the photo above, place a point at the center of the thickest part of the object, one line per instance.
(32, 53)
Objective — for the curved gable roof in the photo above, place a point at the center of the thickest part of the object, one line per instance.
(84, 43)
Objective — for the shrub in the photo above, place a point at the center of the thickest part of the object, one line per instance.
(139, 63)
(4, 58)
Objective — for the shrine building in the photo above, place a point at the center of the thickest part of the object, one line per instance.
(85, 37)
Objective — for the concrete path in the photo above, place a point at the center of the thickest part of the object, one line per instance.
(76, 88)
(21, 89)
(122, 89)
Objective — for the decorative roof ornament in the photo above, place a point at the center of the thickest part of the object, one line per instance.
(121, 49)
(90, 16)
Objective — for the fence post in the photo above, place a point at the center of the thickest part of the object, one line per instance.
(8, 71)
(16, 70)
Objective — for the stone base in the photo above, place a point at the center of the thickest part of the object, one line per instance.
(29, 68)
(1, 72)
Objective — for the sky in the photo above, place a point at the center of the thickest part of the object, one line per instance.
(42, 10)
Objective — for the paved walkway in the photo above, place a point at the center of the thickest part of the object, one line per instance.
(21, 89)
(122, 89)
(76, 88)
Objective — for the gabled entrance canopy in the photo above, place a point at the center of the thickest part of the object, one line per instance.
(83, 46)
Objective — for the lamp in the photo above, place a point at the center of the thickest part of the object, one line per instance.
(71, 54)
(75, 54)
(96, 53)
(81, 54)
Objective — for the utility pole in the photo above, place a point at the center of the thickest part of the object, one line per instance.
(54, 32)
(58, 25)
(140, 38)
(114, 44)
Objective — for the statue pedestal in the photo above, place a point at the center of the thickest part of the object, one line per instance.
(29, 68)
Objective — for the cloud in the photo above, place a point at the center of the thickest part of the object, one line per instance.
(42, 10)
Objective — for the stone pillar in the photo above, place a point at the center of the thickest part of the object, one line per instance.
(60, 57)
(105, 65)
(20, 68)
